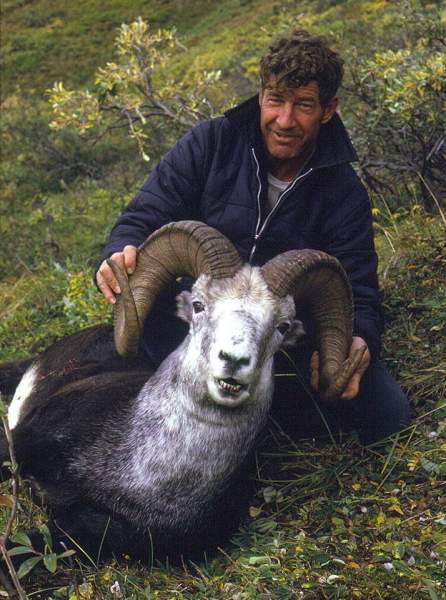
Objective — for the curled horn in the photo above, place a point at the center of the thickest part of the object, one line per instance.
(184, 248)
(319, 284)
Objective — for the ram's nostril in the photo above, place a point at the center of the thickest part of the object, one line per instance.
(234, 360)
(244, 362)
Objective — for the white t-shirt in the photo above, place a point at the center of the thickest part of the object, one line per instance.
(275, 188)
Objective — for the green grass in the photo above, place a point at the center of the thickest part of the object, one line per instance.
(52, 40)
(46, 40)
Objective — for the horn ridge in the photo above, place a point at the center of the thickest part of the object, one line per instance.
(182, 248)
(318, 283)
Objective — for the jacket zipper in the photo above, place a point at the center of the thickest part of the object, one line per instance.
(279, 199)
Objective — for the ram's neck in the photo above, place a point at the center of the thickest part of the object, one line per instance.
(190, 423)
(178, 445)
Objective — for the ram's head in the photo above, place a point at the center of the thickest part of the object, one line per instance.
(239, 315)
(236, 326)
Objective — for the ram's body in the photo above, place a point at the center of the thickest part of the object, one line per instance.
(158, 454)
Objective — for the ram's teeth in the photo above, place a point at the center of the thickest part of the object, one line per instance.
(229, 387)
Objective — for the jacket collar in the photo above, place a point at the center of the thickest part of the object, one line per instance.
(333, 146)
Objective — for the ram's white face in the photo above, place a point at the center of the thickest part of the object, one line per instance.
(236, 327)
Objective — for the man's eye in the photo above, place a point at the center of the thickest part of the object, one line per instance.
(198, 306)
(283, 327)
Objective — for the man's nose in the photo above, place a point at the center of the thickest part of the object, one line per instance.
(285, 119)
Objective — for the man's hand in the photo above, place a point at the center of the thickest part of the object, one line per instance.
(352, 389)
(106, 280)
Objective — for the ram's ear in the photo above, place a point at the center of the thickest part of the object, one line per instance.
(294, 333)
(184, 306)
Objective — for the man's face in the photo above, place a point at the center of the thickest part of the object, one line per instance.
(290, 119)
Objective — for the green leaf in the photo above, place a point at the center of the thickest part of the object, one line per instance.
(21, 538)
(432, 592)
(3, 409)
(46, 536)
(399, 550)
(20, 550)
(259, 560)
(62, 593)
(429, 466)
(333, 578)
(265, 525)
(28, 565)
(50, 562)
(66, 553)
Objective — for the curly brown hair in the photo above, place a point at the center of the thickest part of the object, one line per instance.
(299, 58)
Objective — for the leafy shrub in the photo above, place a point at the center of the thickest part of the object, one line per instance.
(52, 227)
(399, 123)
(83, 305)
(134, 93)
(39, 160)
(45, 305)
(51, 203)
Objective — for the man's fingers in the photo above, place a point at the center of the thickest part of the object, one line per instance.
(105, 288)
(105, 279)
(118, 258)
(359, 344)
(364, 364)
(107, 274)
(108, 278)
(352, 389)
(129, 253)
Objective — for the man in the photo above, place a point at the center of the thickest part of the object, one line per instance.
(274, 174)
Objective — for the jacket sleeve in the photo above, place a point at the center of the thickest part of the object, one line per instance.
(348, 235)
(171, 193)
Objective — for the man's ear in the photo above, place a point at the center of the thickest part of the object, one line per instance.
(184, 306)
(329, 109)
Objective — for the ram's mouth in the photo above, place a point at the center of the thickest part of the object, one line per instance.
(230, 386)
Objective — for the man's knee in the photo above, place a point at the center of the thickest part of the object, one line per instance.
(382, 406)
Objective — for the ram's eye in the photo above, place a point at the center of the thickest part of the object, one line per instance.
(283, 327)
(198, 306)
